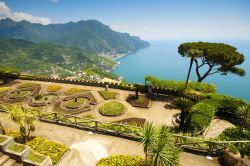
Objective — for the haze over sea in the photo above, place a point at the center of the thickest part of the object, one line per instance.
(162, 60)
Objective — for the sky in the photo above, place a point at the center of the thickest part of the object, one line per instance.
(148, 19)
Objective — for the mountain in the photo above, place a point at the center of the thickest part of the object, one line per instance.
(90, 34)
(49, 59)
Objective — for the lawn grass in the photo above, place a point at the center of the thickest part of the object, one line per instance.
(72, 104)
(141, 101)
(34, 157)
(72, 91)
(28, 84)
(108, 94)
(18, 95)
(17, 147)
(112, 109)
(44, 98)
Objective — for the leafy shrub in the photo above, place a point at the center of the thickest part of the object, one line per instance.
(200, 116)
(53, 88)
(192, 94)
(49, 148)
(32, 156)
(4, 89)
(17, 147)
(182, 103)
(234, 134)
(176, 86)
(72, 91)
(38, 97)
(112, 108)
(16, 135)
(75, 104)
(234, 149)
(108, 94)
(121, 160)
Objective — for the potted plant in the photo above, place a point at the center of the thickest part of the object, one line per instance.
(231, 155)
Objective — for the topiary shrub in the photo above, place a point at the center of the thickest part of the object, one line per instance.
(112, 109)
(38, 97)
(121, 160)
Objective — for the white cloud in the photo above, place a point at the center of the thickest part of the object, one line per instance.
(5, 12)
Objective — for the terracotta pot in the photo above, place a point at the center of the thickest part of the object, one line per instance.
(230, 158)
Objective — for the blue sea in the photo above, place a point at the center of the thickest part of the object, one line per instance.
(162, 60)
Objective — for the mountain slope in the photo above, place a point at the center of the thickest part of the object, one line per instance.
(48, 59)
(90, 34)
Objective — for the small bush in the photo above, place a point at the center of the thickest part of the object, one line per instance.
(200, 117)
(234, 149)
(122, 160)
(192, 94)
(108, 94)
(112, 109)
(38, 97)
(53, 88)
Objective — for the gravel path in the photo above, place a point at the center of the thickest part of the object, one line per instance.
(216, 127)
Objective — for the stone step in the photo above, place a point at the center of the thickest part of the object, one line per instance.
(4, 159)
(9, 162)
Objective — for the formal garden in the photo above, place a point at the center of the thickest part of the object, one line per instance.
(165, 116)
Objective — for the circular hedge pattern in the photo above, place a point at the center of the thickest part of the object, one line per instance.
(122, 160)
(112, 109)
(73, 104)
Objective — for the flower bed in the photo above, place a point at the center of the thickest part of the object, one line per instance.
(44, 98)
(4, 90)
(108, 94)
(141, 101)
(121, 160)
(73, 103)
(72, 91)
(112, 109)
(49, 148)
(53, 88)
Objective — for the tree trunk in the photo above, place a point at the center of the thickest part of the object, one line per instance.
(182, 117)
(189, 70)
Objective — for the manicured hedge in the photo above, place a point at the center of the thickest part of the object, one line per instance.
(72, 91)
(122, 160)
(178, 86)
(53, 88)
(200, 117)
(112, 108)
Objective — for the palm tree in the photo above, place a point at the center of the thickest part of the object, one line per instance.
(148, 137)
(24, 119)
(159, 146)
(193, 54)
(244, 116)
(163, 152)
